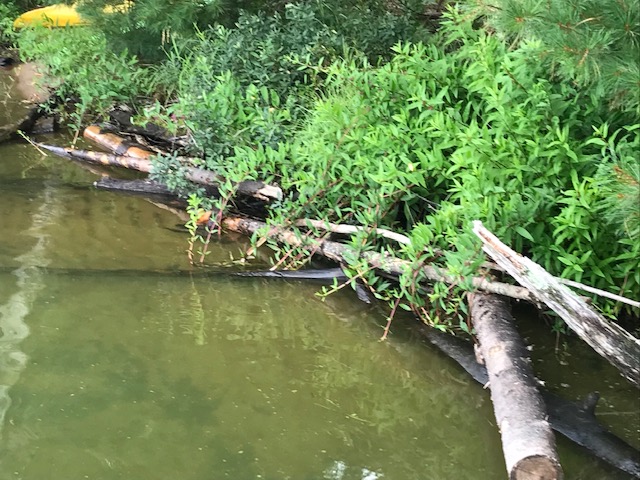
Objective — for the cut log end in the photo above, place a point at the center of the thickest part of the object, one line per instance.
(536, 467)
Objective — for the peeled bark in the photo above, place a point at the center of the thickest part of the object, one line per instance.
(528, 442)
(609, 339)
(116, 144)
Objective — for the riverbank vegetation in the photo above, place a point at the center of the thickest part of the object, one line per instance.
(409, 116)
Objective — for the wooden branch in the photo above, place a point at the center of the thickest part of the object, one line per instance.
(527, 439)
(351, 229)
(339, 252)
(405, 240)
(597, 291)
(251, 188)
(609, 339)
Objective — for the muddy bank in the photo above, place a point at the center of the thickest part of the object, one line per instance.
(22, 91)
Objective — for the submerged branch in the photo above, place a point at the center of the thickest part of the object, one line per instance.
(339, 252)
(575, 421)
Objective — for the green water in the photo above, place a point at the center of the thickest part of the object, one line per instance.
(114, 366)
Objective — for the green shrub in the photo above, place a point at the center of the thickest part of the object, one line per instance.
(443, 135)
(8, 12)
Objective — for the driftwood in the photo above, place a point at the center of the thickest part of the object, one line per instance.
(527, 439)
(116, 144)
(251, 188)
(351, 229)
(338, 252)
(575, 421)
(126, 148)
(121, 118)
(609, 339)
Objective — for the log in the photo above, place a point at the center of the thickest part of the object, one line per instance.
(256, 189)
(122, 119)
(609, 339)
(339, 252)
(575, 421)
(140, 187)
(116, 144)
(528, 443)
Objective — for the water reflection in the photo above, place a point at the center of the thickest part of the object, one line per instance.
(13, 329)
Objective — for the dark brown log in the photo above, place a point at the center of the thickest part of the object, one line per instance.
(528, 443)
(25, 124)
(251, 188)
(609, 339)
(142, 187)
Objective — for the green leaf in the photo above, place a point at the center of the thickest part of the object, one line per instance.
(524, 233)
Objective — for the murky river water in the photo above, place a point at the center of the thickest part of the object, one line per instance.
(115, 366)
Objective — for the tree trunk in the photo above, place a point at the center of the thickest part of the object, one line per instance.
(609, 339)
(575, 421)
(527, 439)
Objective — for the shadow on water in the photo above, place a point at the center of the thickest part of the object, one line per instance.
(110, 369)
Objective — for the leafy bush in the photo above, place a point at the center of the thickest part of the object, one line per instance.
(443, 135)
(145, 26)
(8, 12)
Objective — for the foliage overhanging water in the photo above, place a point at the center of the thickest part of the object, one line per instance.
(111, 370)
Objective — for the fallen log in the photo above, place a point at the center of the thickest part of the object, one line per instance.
(339, 252)
(121, 118)
(528, 443)
(576, 421)
(251, 188)
(116, 144)
(609, 339)
(141, 187)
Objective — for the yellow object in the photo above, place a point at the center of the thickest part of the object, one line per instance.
(61, 15)
(53, 16)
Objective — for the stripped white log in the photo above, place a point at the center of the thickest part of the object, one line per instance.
(528, 442)
(609, 339)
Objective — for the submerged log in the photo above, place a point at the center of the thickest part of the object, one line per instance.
(141, 187)
(25, 124)
(251, 188)
(573, 420)
(609, 339)
(527, 440)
